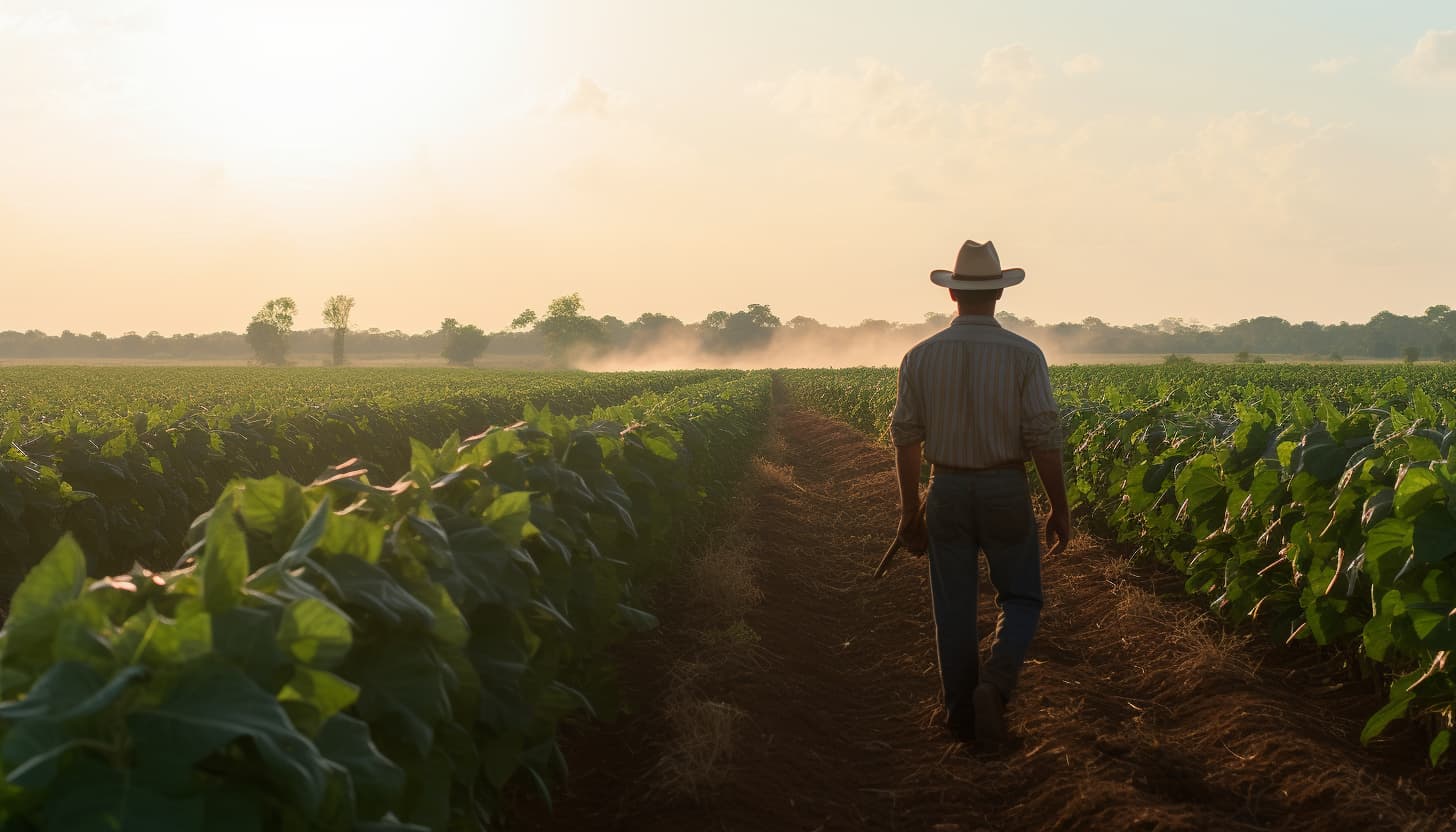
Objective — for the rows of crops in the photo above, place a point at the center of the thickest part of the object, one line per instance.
(125, 457)
(345, 655)
(1319, 502)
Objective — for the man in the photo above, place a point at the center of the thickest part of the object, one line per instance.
(978, 400)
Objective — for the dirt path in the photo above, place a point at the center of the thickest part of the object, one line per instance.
(1135, 712)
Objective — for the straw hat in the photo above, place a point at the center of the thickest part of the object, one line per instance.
(977, 267)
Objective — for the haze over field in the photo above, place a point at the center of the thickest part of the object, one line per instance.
(170, 165)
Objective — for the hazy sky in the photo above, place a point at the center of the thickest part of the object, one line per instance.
(171, 165)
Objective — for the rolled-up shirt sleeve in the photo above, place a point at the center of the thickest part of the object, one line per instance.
(907, 421)
(1041, 420)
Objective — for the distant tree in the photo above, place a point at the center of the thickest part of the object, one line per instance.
(1177, 360)
(1411, 354)
(803, 323)
(752, 327)
(268, 332)
(567, 330)
(336, 315)
(654, 323)
(1446, 349)
(614, 329)
(716, 319)
(937, 319)
(463, 342)
(524, 319)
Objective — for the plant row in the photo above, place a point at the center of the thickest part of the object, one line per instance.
(124, 458)
(1327, 515)
(345, 655)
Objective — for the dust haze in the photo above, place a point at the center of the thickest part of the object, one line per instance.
(828, 347)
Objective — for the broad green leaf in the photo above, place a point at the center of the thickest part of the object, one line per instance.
(37, 604)
(32, 749)
(1435, 536)
(1387, 548)
(509, 515)
(273, 507)
(311, 535)
(1378, 638)
(321, 690)
(373, 590)
(422, 460)
(1416, 489)
(210, 708)
(449, 625)
(349, 534)
(1198, 484)
(1434, 624)
(377, 782)
(89, 795)
(71, 690)
(246, 638)
(1393, 710)
(402, 680)
(224, 564)
(315, 633)
(1439, 746)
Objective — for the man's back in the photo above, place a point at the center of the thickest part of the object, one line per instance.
(977, 395)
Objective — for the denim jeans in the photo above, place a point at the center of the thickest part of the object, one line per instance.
(968, 512)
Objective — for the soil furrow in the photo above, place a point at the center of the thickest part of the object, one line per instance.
(1136, 711)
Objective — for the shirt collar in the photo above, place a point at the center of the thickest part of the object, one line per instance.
(975, 320)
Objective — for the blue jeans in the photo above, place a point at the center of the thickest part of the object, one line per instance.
(967, 512)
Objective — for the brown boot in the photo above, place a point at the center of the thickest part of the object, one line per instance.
(990, 714)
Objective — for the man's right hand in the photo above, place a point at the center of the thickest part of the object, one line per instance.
(913, 533)
(1058, 528)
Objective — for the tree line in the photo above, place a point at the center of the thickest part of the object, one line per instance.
(564, 331)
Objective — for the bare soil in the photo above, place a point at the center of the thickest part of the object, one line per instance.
(1136, 710)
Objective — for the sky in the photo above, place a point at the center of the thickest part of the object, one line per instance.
(171, 165)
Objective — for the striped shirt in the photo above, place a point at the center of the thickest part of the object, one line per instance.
(977, 395)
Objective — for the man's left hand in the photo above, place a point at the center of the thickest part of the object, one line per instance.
(913, 533)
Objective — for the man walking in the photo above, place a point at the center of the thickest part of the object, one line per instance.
(977, 399)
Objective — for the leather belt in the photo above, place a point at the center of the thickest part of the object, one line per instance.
(1015, 465)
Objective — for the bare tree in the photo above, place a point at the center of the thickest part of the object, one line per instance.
(336, 315)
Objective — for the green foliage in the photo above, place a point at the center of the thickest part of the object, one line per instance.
(267, 333)
(463, 342)
(336, 314)
(567, 330)
(1318, 501)
(342, 655)
(124, 458)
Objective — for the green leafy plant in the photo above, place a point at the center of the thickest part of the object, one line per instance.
(345, 655)
(1317, 501)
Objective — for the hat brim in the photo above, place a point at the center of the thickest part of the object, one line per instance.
(1009, 277)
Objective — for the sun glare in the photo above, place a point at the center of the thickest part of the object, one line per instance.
(309, 90)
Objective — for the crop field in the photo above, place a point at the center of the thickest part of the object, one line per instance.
(156, 446)
(396, 600)
(1317, 502)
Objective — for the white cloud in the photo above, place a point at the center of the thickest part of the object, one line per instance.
(1085, 64)
(876, 100)
(1433, 60)
(584, 98)
(1253, 165)
(1013, 65)
(1331, 66)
